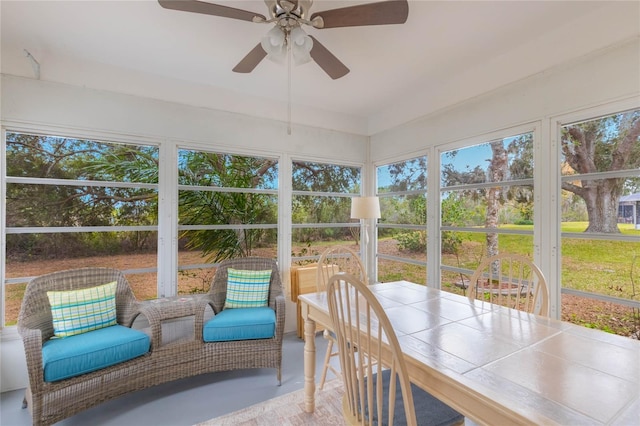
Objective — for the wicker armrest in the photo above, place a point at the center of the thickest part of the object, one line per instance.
(278, 304)
(32, 341)
(159, 310)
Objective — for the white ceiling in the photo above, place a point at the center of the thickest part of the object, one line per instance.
(447, 51)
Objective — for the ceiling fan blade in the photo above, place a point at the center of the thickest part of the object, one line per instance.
(210, 9)
(325, 59)
(249, 62)
(379, 13)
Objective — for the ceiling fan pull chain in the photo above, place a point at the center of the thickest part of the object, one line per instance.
(289, 53)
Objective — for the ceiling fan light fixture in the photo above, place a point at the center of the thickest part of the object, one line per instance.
(274, 44)
(301, 45)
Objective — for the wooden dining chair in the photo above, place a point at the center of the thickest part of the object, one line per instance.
(336, 259)
(511, 280)
(378, 393)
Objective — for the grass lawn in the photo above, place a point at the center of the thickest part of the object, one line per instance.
(590, 265)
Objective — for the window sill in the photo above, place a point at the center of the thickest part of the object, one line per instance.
(10, 333)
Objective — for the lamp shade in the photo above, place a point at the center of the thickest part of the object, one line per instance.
(365, 208)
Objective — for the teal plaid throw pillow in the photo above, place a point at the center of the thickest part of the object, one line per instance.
(247, 289)
(79, 311)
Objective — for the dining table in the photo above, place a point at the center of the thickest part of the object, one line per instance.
(495, 365)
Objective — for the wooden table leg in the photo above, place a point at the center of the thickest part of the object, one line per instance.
(309, 365)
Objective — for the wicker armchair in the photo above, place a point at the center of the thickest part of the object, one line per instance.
(263, 353)
(50, 402)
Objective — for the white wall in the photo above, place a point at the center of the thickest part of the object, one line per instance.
(68, 110)
(32, 101)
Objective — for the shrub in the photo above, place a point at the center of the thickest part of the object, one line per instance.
(412, 241)
(451, 242)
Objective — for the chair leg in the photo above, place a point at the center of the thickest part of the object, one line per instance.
(327, 358)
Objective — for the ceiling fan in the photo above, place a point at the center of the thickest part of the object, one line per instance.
(289, 16)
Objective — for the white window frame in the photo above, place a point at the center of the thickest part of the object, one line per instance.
(554, 269)
(178, 187)
(434, 206)
(294, 193)
(68, 133)
(377, 255)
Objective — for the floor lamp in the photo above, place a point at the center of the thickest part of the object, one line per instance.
(366, 209)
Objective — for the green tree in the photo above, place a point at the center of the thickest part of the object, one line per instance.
(53, 203)
(511, 159)
(521, 167)
(607, 144)
(323, 179)
(408, 176)
(220, 207)
(454, 213)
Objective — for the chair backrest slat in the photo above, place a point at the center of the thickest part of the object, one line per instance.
(365, 337)
(511, 280)
(339, 259)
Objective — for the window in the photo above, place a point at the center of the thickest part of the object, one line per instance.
(402, 232)
(321, 208)
(73, 203)
(228, 207)
(600, 179)
(486, 203)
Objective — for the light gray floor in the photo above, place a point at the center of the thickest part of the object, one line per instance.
(187, 401)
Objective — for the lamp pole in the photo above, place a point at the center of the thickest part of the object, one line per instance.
(367, 209)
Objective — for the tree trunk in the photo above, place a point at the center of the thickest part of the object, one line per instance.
(601, 198)
(497, 173)
(588, 148)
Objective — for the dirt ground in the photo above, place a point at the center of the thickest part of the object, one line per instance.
(606, 316)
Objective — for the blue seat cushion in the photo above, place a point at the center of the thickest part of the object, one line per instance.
(83, 353)
(240, 324)
(430, 411)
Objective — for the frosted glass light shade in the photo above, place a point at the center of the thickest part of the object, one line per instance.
(365, 208)
(274, 44)
(301, 45)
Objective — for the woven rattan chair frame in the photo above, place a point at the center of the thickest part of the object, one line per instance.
(511, 280)
(337, 259)
(50, 402)
(261, 353)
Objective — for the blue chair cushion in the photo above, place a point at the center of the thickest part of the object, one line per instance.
(430, 411)
(240, 324)
(83, 353)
